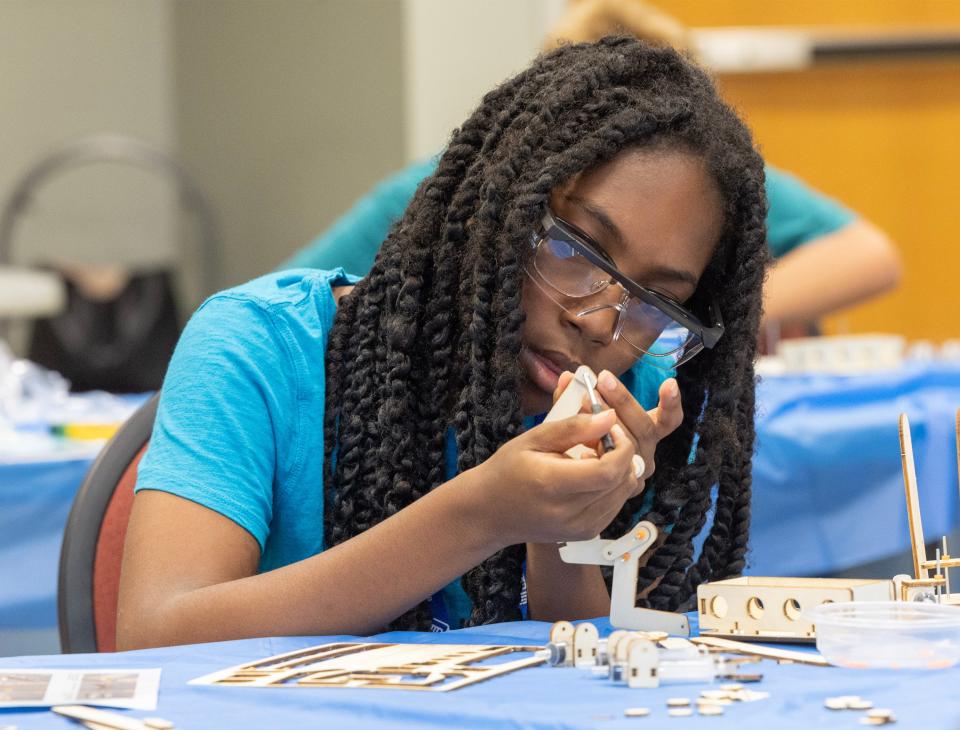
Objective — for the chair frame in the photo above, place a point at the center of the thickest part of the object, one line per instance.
(75, 585)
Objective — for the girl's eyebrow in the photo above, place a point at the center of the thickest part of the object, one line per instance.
(600, 216)
(661, 273)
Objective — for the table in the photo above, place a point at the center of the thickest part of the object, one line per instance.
(540, 697)
(35, 500)
(39, 476)
(828, 489)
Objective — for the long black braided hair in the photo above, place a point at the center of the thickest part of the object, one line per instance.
(430, 339)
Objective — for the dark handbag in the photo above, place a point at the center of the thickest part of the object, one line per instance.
(122, 344)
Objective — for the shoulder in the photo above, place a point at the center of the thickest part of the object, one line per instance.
(276, 324)
(290, 287)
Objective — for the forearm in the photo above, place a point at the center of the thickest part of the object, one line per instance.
(839, 270)
(563, 591)
(353, 588)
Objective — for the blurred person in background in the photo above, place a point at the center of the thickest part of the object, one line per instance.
(827, 256)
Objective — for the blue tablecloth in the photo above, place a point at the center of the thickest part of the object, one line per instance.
(540, 697)
(828, 486)
(35, 500)
(827, 478)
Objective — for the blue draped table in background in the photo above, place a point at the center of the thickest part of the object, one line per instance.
(827, 491)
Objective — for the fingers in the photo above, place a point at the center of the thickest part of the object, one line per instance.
(558, 436)
(631, 413)
(668, 415)
(656, 423)
(603, 473)
(565, 377)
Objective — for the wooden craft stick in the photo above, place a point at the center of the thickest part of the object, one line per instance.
(114, 720)
(913, 499)
(767, 652)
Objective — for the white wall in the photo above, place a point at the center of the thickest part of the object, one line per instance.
(457, 50)
(286, 113)
(70, 69)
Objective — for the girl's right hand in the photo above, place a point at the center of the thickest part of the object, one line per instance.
(533, 492)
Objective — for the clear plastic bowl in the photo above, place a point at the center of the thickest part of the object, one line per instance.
(887, 634)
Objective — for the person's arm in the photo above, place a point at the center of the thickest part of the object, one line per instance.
(834, 271)
(827, 257)
(189, 573)
(563, 591)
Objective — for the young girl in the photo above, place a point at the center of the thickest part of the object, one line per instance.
(312, 473)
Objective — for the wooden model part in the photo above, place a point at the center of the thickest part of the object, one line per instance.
(586, 641)
(767, 652)
(624, 553)
(773, 608)
(562, 636)
(643, 661)
(430, 667)
(94, 717)
(923, 586)
(913, 499)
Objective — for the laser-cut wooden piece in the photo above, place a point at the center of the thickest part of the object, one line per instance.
(562, 633)
(424, 667)
(767, 652)
(643, 660)
(923, 585)
(913, 499)
(758, 608)
(586, 640)
(622, 554)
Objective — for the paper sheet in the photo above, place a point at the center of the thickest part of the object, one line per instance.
(134, 689)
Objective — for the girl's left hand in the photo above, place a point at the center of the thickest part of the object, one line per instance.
(645, 428)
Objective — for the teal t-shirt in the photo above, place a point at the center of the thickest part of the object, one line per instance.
(796, 215)
(239, 428)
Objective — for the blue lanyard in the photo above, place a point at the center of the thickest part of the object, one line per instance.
(438, 609)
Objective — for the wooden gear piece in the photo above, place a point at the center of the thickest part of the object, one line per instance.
(622, 554)
(425, 667)
(923, 586)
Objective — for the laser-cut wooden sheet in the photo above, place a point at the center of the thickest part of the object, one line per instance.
(430, 667)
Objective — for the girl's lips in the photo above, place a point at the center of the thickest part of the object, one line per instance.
(543, 373)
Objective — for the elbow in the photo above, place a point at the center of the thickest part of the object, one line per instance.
(886, 262)
(141, 633)
(148, 628)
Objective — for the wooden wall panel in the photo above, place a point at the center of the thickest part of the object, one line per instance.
(884, 137)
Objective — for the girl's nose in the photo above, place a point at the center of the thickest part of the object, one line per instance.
(599, 321)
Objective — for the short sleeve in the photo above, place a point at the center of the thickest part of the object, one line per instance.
(221, 414)
(798, 214)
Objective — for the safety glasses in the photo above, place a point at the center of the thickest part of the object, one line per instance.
(570, 268)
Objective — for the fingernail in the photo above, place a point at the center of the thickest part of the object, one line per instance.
(603, 415)
(617, 431)
(673, 390)
(607, 381)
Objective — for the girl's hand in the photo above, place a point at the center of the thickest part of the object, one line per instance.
(644, 428)
(535, 493)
